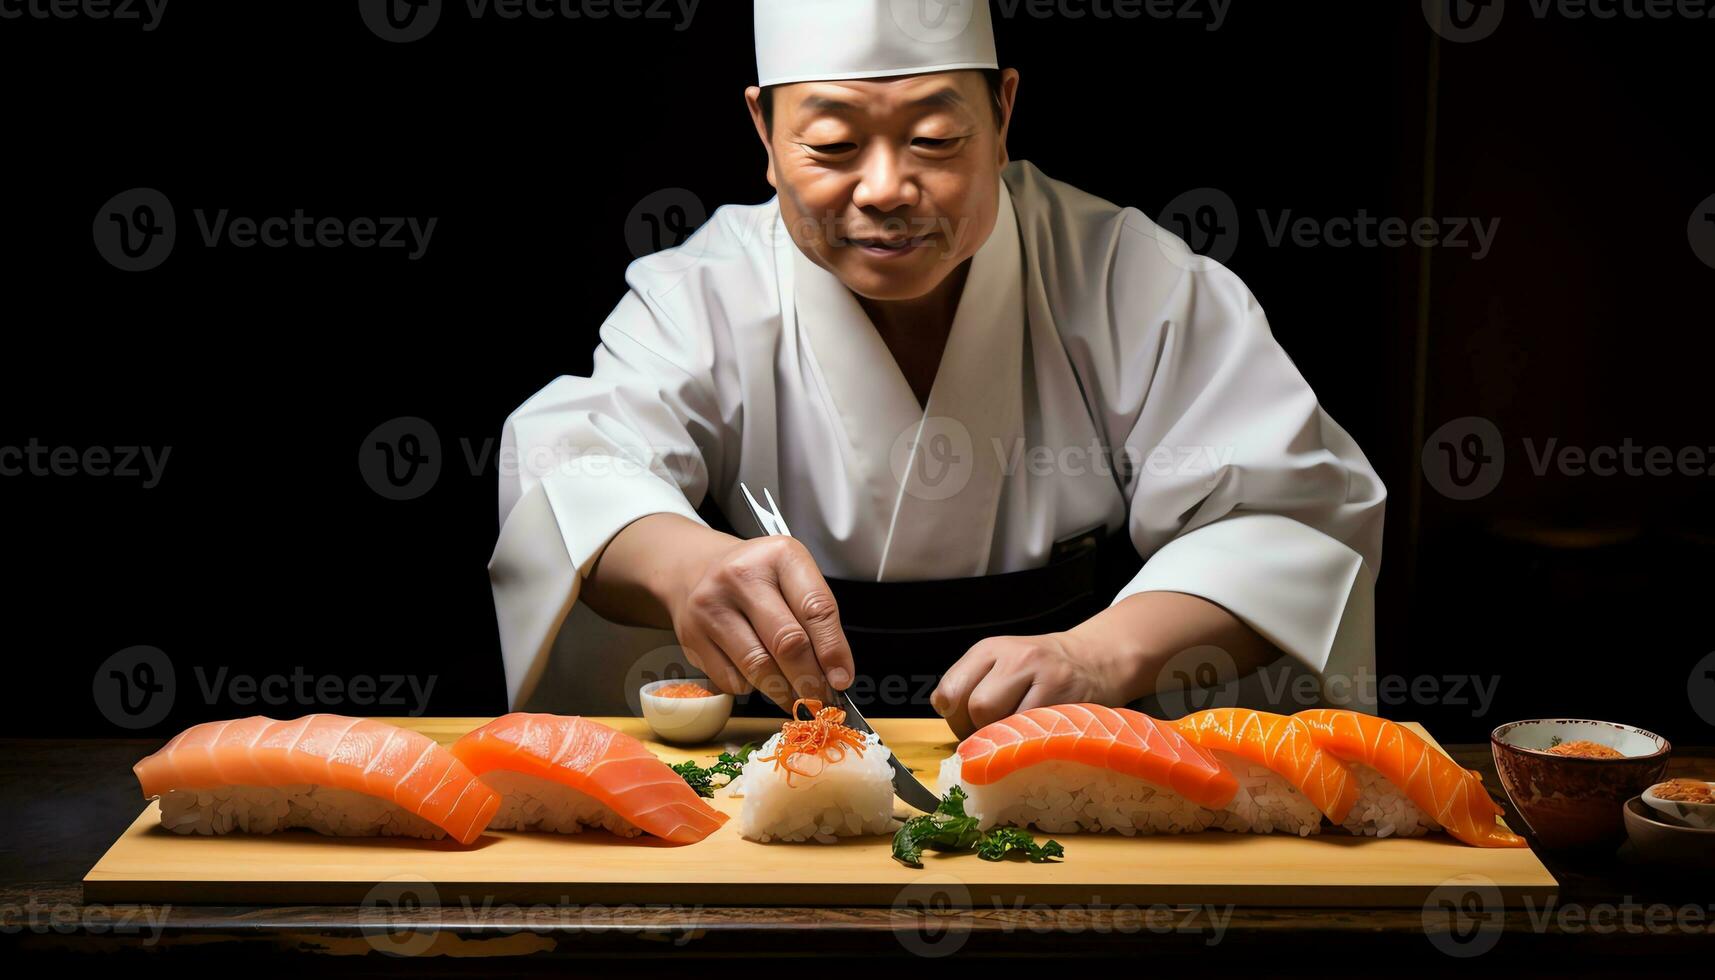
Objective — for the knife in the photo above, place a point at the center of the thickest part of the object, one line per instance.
(905, 785)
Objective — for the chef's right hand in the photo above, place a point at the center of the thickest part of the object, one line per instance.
(759, 614)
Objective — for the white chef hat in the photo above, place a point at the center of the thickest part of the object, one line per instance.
(813, 40)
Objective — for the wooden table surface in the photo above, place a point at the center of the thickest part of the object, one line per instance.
(64, 802)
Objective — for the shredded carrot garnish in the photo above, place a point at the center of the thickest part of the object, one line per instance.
(1583, 748)
(824, 737)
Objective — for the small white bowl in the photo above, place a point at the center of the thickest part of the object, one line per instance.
(685, 721)
(1699, 815)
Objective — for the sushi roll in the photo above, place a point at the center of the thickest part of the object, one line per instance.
(1287, 783)
(345, 777)
(816, 779)
(1405, 787)
(1077, 768)
(561, 774)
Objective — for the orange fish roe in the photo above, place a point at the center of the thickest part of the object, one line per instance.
(685, 689)
(1583, 748)
(824, 736)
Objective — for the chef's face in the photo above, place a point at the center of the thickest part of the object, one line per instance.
(888, 183)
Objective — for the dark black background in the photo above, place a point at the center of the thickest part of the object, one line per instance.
(531, 141)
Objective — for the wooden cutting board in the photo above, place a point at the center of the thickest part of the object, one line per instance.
(148, 864)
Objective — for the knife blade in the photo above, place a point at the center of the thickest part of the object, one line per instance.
(906, 786)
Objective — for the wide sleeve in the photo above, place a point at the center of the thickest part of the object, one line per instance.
(584, 457)
(1242, 490)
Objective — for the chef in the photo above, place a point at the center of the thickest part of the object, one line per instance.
(1031, 449)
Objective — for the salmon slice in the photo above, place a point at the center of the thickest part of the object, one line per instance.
(598, 761)
(1283, 744)
(1454, 796)
(384, 761)
(1119, 739)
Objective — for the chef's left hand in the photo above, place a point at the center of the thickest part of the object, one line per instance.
(1004, 675)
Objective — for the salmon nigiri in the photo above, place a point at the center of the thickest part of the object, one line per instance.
(329, 773)
(1282, 746)
(1399, 772)
(1076, 767)
(562, 773)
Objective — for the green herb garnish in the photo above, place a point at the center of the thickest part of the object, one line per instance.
(1006, 839)
(949, 829)
(727, 764)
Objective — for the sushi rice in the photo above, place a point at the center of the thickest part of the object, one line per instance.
(268, 809)
(1384, 810)
(1062, 797)
(848, 798)
(533, 803)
